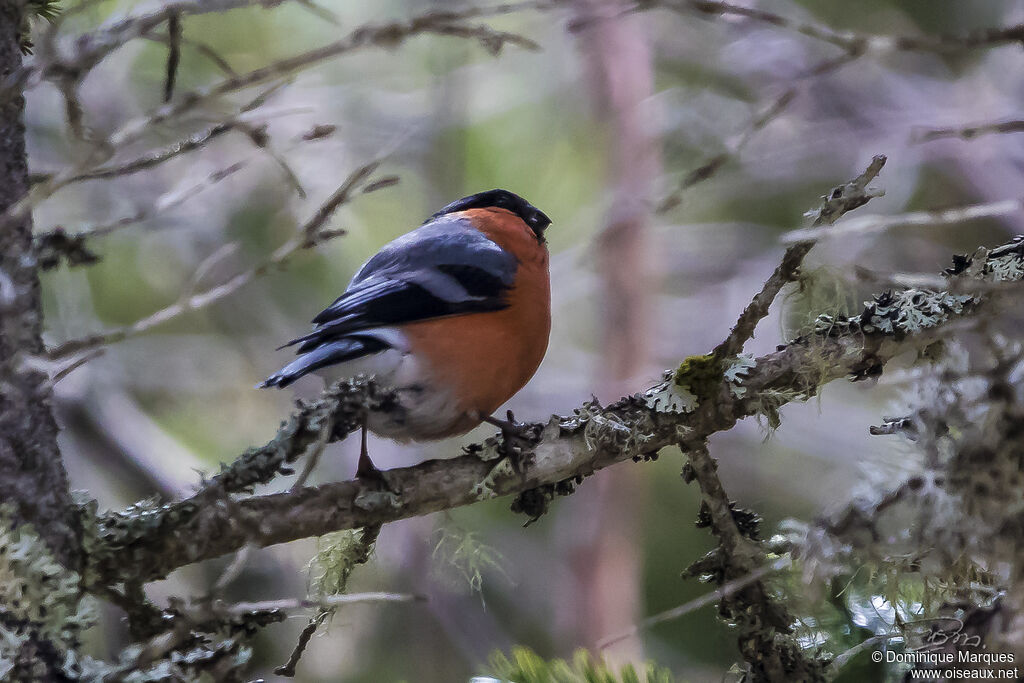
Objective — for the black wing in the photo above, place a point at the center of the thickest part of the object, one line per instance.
(444, 268)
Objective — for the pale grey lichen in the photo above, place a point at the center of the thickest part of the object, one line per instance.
(738, 367)
(911, 310)
(486, 488)
(608, 431)
(669, 397)
(40, 599)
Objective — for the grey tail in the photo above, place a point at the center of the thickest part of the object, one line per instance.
(331, 353)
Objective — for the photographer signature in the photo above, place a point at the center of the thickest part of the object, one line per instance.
(939, 638)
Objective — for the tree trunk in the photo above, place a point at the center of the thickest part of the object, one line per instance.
(32, 477)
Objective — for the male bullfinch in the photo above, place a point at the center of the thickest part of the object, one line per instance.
(454, 316)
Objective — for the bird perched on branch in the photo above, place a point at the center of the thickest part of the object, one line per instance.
(454, 316)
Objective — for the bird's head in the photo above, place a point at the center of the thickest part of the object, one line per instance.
(502, 199)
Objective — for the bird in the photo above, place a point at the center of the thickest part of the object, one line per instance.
(453, 316)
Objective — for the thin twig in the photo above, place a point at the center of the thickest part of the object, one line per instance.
(149, 160)
(174, 32)
(313, 456)
(326, 602)
(164, 202)
(969, 132)
(841, 659)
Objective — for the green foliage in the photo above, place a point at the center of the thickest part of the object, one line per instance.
(469, 557)
(44, 9)
(526, 666)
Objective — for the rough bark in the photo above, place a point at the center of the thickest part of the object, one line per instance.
(32, 476)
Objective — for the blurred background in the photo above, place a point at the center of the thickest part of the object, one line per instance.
(596, 128)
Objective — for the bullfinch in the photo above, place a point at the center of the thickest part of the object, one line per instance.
(454, 316)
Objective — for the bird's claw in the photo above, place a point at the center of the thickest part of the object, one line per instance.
(374, 477)
(511, 433)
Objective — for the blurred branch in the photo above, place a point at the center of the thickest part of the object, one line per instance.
(150, 159)
(174, 33)
(202, 48)
(835, 204)
(724, 591)
(90, 48)
(55, 244)
(327, 602)
(308, 236)
(969, 132)
(850, 41)
(768, 113)
(150, 543)
(388, 35)
(865, 225)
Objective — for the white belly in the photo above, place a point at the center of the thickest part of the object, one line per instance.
(425, 409)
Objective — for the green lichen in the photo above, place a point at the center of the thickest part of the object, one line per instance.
(337, 554)
(700, 375)
(462, 554)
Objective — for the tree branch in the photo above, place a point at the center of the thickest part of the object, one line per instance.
(147, 543)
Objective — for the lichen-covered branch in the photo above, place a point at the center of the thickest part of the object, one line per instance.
(764, 625)
(146, 543)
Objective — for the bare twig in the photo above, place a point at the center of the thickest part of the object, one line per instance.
(149, 160)
(326, 602)
(174, 32)
(358, 554)
(313, 456)
(969, 132)
(200, 47)
(842, 658)
(381, 35)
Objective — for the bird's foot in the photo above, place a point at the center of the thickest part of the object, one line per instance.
(516, 437)
(367, 472)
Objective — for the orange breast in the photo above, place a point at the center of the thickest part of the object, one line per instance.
(485, 358)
